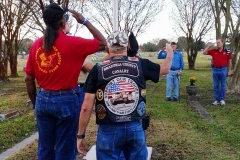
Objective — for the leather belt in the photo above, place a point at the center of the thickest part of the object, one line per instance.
(219, 67)
(81, 84)
(58, 91)
(173, 69)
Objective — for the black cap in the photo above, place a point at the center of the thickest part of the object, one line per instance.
(53, 13)
(133, 45)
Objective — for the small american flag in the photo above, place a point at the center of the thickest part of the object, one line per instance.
(121, 86)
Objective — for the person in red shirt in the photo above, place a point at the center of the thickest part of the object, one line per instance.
(221, 68)
(55, 61)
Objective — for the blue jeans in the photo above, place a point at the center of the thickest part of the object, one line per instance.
(172, 79)
(219, 82)
(81, 95)
(57, 122)
(126, 137)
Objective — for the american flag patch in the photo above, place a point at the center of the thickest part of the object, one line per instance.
(106, 62)
(121, 86)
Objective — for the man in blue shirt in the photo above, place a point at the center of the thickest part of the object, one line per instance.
(173, 77)
(162, 53)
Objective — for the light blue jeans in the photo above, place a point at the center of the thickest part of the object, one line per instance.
(126, 137)
(219, 82)
(172, 79)
(57, 122)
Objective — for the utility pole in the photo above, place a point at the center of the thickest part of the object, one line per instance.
(115, 15)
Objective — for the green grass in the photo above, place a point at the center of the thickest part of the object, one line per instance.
(188, 135)
(15, 129)
(177, 131)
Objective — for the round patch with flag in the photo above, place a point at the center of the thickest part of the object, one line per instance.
(121, 95)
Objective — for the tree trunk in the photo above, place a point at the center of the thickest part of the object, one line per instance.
(3, 70)
(192, 59)
(13, 65)
(191, 64)
(233, 82)
(192, 51)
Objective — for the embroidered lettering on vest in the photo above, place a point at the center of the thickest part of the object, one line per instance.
(120, 68)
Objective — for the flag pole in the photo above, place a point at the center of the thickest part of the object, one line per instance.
(115, 15)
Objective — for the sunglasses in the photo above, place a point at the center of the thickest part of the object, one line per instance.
(66, 16)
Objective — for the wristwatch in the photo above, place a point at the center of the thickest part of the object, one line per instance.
(80, 136)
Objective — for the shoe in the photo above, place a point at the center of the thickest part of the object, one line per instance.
(168, 99)
(215, 103)
(175, 99)
(222, 102)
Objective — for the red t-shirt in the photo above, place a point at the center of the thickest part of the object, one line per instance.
(220, 59)
(60, 68)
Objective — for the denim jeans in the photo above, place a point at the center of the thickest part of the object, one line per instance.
(126, 137)
(219, 82)
(81, 95)
(57, 122)
(172, 79)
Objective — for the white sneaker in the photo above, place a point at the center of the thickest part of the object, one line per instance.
(215, 103)
(222, 102)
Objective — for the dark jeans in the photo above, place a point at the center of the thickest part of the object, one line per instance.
(81, 95)
(57, 122)
(126, 137)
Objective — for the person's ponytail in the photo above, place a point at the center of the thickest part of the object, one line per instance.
(50, 35)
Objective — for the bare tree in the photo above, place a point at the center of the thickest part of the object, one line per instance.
(133, 15)
(182, 43)
(234, 27)
(35, 22)
(19, 19)
(13, 16)
(194, 19)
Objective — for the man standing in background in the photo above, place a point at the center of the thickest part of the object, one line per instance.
(222, 64)
(173, 77)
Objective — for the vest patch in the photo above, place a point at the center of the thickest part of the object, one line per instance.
(141, 110)
(101, 111)
(120, 68)
(99, 95)
(121, 96)
(123, 118)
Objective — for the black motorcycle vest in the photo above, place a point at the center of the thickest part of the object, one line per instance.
(121, 89)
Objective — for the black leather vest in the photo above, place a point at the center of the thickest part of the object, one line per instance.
(121, 90)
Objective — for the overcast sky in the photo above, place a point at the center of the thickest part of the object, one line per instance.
(161, 28)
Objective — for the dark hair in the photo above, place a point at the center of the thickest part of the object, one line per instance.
(133, 45)
(173, 43)
(50, 35)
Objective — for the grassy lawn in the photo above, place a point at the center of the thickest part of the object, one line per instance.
(177, 131)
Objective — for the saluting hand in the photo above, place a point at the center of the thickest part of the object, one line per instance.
(211, 45)
(82, 146)
(169, 48)
(79, 17)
